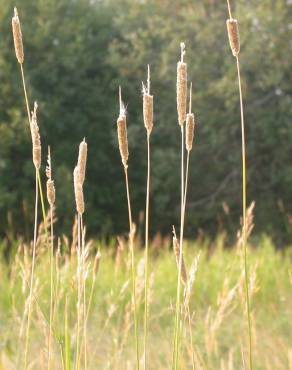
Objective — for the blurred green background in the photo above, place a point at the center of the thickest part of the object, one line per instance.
(77, 53)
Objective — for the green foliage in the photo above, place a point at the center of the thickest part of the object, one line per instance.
(217, 304)
(76, 55)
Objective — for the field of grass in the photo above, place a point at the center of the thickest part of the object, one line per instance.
(217, 308)
(82, 304)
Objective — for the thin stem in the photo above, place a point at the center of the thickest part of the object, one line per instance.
(244, 192)
(191, 335)
(229, 9)
(79, 294)
(146, 247)
(25, 92)
(90, 298)
(32, 272)
(52, 284)
(178, 296)
(186, 181)
(84, 296)
(39, 179)
(131, 237)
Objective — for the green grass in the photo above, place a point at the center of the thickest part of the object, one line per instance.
(219, 331)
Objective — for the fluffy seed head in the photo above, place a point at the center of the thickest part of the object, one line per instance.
(176, 250)
(79, 199)
(181, 88)
(122, 133)
(147, 105)
(50, 183)
(17, 37)
(36, 140)
(190, 125)
(82, 157)
(148, 112)
(51, 192)
(233, 35)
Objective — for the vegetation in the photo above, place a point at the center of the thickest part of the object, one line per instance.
(217, 300)
(61, 308)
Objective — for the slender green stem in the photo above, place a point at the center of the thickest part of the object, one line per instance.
(229, 9)
(32, 273)
(79, 294)
(131, 240)
(84, 296)
(51, 288)
(178, 296)
(25, 92)
(191, 335)
(38, 174)
(244, 226)
(146, 278)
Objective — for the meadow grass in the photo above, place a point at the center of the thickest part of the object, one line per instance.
(76, 313)
(216, 304)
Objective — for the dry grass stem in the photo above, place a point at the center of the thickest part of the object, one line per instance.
(123, 147)
(51, 200)
(176, 250)
(233, 35)
(17, 37)
(148, 123)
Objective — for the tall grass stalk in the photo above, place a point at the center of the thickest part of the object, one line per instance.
(51, 201)
(181, 107)
(148, 122)
(123, 147)
(18, 45)
(79, 177)
(234, 41)
(79, 295)
(190, 124)
(84, 294)
(31, 274)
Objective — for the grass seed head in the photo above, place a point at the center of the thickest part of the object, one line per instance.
(36, 140)
(233, 36)
(79, 199)
(51, 194)
(50, 183)
(82, 158)
(147, 105)
(122, 133)
(17, 37)
(181, 87)
(190, 125)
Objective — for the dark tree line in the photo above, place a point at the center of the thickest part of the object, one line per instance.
(77, 53)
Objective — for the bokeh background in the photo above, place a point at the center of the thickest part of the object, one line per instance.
(77, 53)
